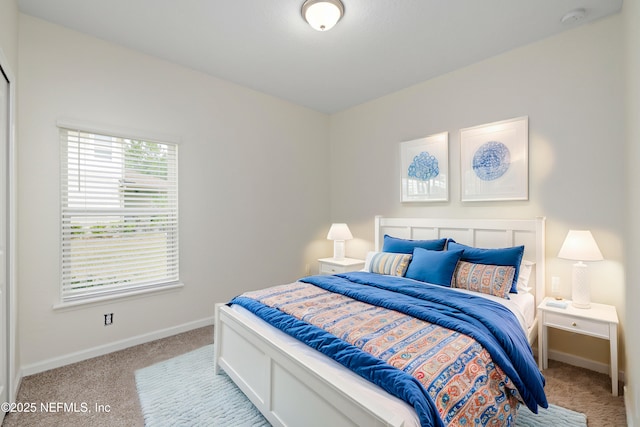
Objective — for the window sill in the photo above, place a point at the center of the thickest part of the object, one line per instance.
(110, 298)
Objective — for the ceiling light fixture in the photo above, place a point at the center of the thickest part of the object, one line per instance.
(322, 15)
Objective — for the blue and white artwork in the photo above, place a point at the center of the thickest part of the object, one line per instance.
(491, 160)
(494, 163)
(423, 167)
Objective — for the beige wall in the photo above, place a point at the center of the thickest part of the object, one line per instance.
(571, 87)
(631, 11)
(253, 185)
(9, 32)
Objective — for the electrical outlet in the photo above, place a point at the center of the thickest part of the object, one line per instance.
(108, 319)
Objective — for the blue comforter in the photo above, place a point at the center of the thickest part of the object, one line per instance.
(489, 323)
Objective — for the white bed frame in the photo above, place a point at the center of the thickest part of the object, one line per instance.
(293, 390)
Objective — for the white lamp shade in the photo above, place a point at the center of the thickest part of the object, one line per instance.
(339, 231)
(322, 15)
(579, 245)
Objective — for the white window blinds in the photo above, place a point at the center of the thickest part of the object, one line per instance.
(119, 215)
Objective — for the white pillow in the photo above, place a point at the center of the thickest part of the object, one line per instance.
(367, 261)
(525, 275)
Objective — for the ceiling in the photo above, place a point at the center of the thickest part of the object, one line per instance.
(379, 46)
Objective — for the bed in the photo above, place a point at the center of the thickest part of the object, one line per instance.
(292, 384)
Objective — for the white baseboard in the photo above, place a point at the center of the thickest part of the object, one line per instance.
(89, 353)
(628, 406)
(17, 381)
(581, 362)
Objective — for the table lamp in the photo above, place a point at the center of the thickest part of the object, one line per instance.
(339, 232)
(579, 245)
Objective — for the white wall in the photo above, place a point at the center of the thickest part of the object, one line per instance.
(631, 10)
(571, 87)
(253, 176)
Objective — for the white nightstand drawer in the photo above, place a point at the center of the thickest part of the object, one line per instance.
(337, 266)
(583, 326)
(331, 269)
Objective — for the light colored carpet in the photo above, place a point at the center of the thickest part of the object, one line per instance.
(184, 391)
(109, 379)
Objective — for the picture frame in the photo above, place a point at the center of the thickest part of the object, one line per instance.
(494, 161)
(424, 165)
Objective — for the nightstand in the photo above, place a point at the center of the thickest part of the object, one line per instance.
(334, 266)
(600, 321)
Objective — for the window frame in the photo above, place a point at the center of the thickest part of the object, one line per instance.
(172, 261)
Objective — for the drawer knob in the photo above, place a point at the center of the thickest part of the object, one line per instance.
(574, 324)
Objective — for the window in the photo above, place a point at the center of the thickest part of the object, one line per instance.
(119, 215)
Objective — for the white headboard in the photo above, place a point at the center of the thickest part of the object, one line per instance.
(483, 233)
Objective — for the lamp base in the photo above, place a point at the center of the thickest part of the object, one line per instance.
(338, 250)
(578, 305)
(580, 292)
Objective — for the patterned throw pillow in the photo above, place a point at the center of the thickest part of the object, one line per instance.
(484, 278)
(493, 256)
(391, 264)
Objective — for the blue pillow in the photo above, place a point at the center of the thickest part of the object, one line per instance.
(436, 267)
(502, 256)
(406, 246)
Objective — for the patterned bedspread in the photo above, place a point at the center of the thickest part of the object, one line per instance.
(458, 376)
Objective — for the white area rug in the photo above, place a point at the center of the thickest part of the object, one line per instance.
(183, 391)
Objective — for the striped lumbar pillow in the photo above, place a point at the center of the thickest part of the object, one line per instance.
(392, 264)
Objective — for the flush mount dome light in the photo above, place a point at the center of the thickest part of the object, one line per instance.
(322, 15)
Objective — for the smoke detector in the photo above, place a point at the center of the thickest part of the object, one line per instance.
(574, 16)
